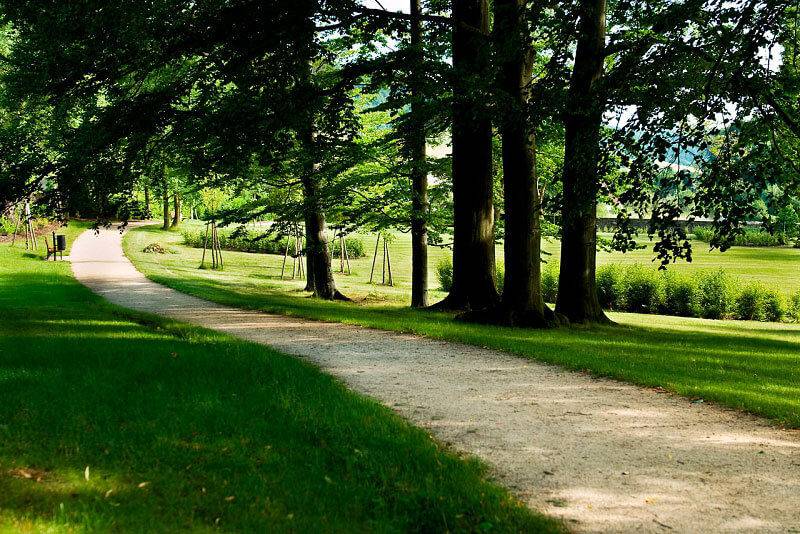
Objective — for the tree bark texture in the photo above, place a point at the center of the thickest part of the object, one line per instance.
(522, 301)
(177, 216)
(166, 206)
(419, 172)
(317, 252)
(577, 290)
(318, 255)
(473, 233)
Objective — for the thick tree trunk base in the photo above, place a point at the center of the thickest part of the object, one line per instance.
(340, 297)
(501, 316)
(337, 296)
(458, 302)
(421, 305)
(450, 304)
(584, 318)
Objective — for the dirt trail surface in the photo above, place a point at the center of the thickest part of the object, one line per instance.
(602, 455)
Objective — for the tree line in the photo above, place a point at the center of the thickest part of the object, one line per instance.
(324, 111)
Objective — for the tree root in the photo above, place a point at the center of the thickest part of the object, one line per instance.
(502, 316)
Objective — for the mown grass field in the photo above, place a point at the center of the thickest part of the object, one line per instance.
(745, 365)
(775, 267)
(112, 421)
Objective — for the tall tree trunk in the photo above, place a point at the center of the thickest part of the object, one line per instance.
(309, 261)
(166, 206)
(522, 301)
(577, 290)
(309, 258)
(319, 273)
(177, 217)
(473, 232)
(318, 255)
(419, 172)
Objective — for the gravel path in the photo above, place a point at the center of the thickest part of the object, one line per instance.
(604, 456)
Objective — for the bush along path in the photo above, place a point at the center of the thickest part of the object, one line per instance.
(635, 288)
(602, 455)
(256, 242)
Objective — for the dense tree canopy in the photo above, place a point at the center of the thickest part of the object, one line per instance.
(326, 112)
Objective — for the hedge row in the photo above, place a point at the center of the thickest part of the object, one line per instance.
(639, 289)
(252, 242)
(752, 237)
(706, 294)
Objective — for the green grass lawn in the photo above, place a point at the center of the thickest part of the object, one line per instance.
(745, 365)
(114, 421)
(775, 267)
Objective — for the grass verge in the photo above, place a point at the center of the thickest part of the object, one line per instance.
(750, 366)
(113, 421)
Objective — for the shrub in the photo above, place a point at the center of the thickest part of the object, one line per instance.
(793, 309)
(550, 229)
(241, 241)
(251, 241)
(355, 248)
(703, 233)
(759, 238)
(550, 283)
(609, 286)
(499, 276)
(642, 290)
(774, 309)
(750, 237)
(715, 294)
(756, 303)
(40, 223)
(192, 239)
(6, 226)
(749, 303)
(788, 221)
(444, 272)
(680, 295)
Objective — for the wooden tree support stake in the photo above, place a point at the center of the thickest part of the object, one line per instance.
(285, 255)
(386, 264)
(344, 256)
(374, 258)
(205, 245)
(16, 225)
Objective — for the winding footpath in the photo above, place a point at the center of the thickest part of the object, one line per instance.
(603, 455)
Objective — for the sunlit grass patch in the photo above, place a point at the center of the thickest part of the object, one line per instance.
(116, 421)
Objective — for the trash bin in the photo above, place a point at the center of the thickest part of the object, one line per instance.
(61, 243)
